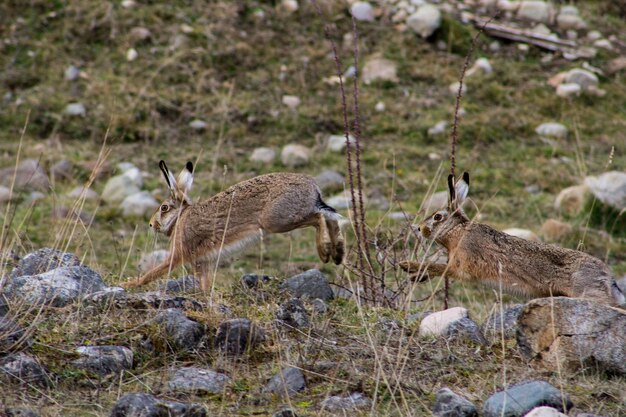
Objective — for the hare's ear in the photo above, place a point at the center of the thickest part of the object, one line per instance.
(169, 178)
(452, 193)
(185, 178)
(461, 189)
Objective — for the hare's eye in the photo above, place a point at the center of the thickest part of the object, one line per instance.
(165, 208)
(438, 217)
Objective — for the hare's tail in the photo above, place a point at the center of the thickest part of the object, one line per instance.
(328, 211)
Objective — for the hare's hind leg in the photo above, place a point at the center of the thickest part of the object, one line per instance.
(322, 239)
(336, 237)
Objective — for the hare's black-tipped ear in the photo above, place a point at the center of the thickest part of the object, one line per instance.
(185, 178)
(461, 189)
(451, 197)
(169, 178)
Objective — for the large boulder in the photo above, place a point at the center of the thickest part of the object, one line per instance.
(519, 399)
(104, 360)
(57, 287)
(310, 284)
(193, 380)
(44, 260)
(502, 323)
(450, 404)
(238, 336)
(181, 332)
(568, 333)
(286, 383)
(23, 369)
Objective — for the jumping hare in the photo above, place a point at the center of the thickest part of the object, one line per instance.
(231, 220)
(477, 252)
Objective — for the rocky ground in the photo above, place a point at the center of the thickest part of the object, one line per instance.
(95, 93)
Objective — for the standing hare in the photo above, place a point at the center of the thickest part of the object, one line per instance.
(477, 252)
(229, 221)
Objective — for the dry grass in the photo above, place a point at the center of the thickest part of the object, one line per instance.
(227, 72)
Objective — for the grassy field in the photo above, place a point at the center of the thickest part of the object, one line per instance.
(223, 63)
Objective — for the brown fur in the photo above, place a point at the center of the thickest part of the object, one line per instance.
(477, 252)
(274, 203)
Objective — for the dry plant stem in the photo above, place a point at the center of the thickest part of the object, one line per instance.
(359, 177)
(346, 127)
(454, 138)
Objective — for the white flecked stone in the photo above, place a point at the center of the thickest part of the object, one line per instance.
(436, 324)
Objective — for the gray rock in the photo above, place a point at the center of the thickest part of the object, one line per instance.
(609, 188)
(535, 11)
(71, 73)
(337, 143)
(62, 170)
(502, 321)
(20, 412)
(319, 306)
(82, 192)
(354, 401)
(252, 280)
(186, 283)
(238, 336)
(151, 259)
(425, 21)
(568, 333)
(146, 405)
(449, 404)
(286, 383)
(309, 284)
(379, 69)
(75, 109)
(329, 180)
(5, 194)
(587, 80)
(119, 187)
(198, 124)
(291, 101)
(293, 314)
(552, 130)
(57, 287)
(363, 11)
(29, 175)
(139, 204)
(294, 155)
(23, 369)
(183, 333)
(438, 129)
(44, 260)
(263, 155)
(139, 34)
(12, 336)
(519, 399)
(198, 381)
(104, 360)
(466, 328)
